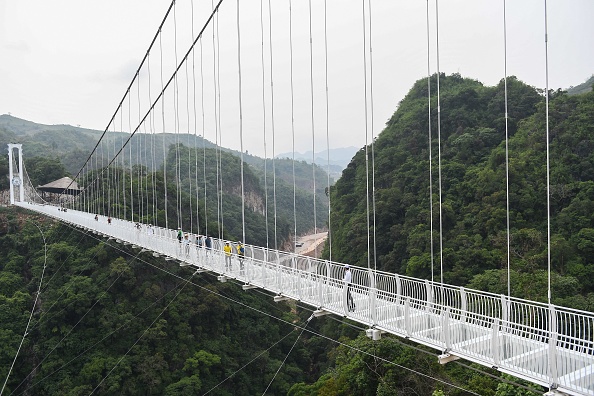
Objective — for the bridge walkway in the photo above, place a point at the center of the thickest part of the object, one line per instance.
(547, 345)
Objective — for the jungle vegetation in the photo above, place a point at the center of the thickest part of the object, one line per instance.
(124, 323)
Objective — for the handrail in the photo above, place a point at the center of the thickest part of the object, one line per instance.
(515, 335)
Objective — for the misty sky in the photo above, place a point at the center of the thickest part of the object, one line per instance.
(71, 61)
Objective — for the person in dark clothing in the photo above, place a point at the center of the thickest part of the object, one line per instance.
(208, 243)
(347, 283)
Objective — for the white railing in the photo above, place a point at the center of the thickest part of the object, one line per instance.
(547, 345)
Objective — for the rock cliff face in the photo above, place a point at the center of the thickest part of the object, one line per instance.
(255, 202)
(254, 199)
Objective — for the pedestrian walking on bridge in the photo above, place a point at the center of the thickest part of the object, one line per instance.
(227, 250)
(348, 277)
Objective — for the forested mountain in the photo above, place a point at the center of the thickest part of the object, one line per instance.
(124, 322)
(53, 151)
(111, 320)
(584, 87)
(473, 181)
(332, 161)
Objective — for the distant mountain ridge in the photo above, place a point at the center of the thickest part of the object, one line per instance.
(582, 88)
(339, 159)
(72, 146)
(338, 156)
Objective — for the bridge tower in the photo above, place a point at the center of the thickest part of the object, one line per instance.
(16, 178)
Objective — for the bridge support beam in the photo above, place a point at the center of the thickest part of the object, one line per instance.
(446, 358)
(555, 392)
(320, 312)
(280, 298)
(374, 334)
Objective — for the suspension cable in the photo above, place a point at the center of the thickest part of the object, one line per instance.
(327, 128)
(163, 136)
(367, 212)
(506, 147)
(157, 34)
(273, 131)
(177, 165)
(190, 148)
(280, 319)
(439, 147)
(430, 142)
(161, 94)
(288, 353)
(218, 120)
(548, 156)
(195, 126)
(130, 164)
(313, 131)
(240, 125)
(216, 124)
(294, 247)
(68, 333)
(552, 319)
(105, 336)
(250, 362)
(372, 137)
(203, 137)
(142, 335)
(264, 123)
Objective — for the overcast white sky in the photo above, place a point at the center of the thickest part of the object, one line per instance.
(70, 61)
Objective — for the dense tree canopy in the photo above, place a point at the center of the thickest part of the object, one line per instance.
(473, 190)
(122, 323)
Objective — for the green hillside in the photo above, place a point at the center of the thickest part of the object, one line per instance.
(473, 191)
(53, 151)
(106, 311)
(111, 320)
(582, 88)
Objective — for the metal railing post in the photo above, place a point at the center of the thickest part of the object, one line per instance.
(495, 341)
(372, 296)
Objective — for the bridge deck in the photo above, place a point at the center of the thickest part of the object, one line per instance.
(537, 342)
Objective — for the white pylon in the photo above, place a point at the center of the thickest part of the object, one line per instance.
(16, 178)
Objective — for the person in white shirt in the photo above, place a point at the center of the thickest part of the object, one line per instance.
(347, 282)
(186, 242)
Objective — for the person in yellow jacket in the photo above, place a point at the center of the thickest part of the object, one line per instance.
(240, 255)
(227, 250)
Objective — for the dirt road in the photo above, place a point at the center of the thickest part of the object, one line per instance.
(310, 243)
